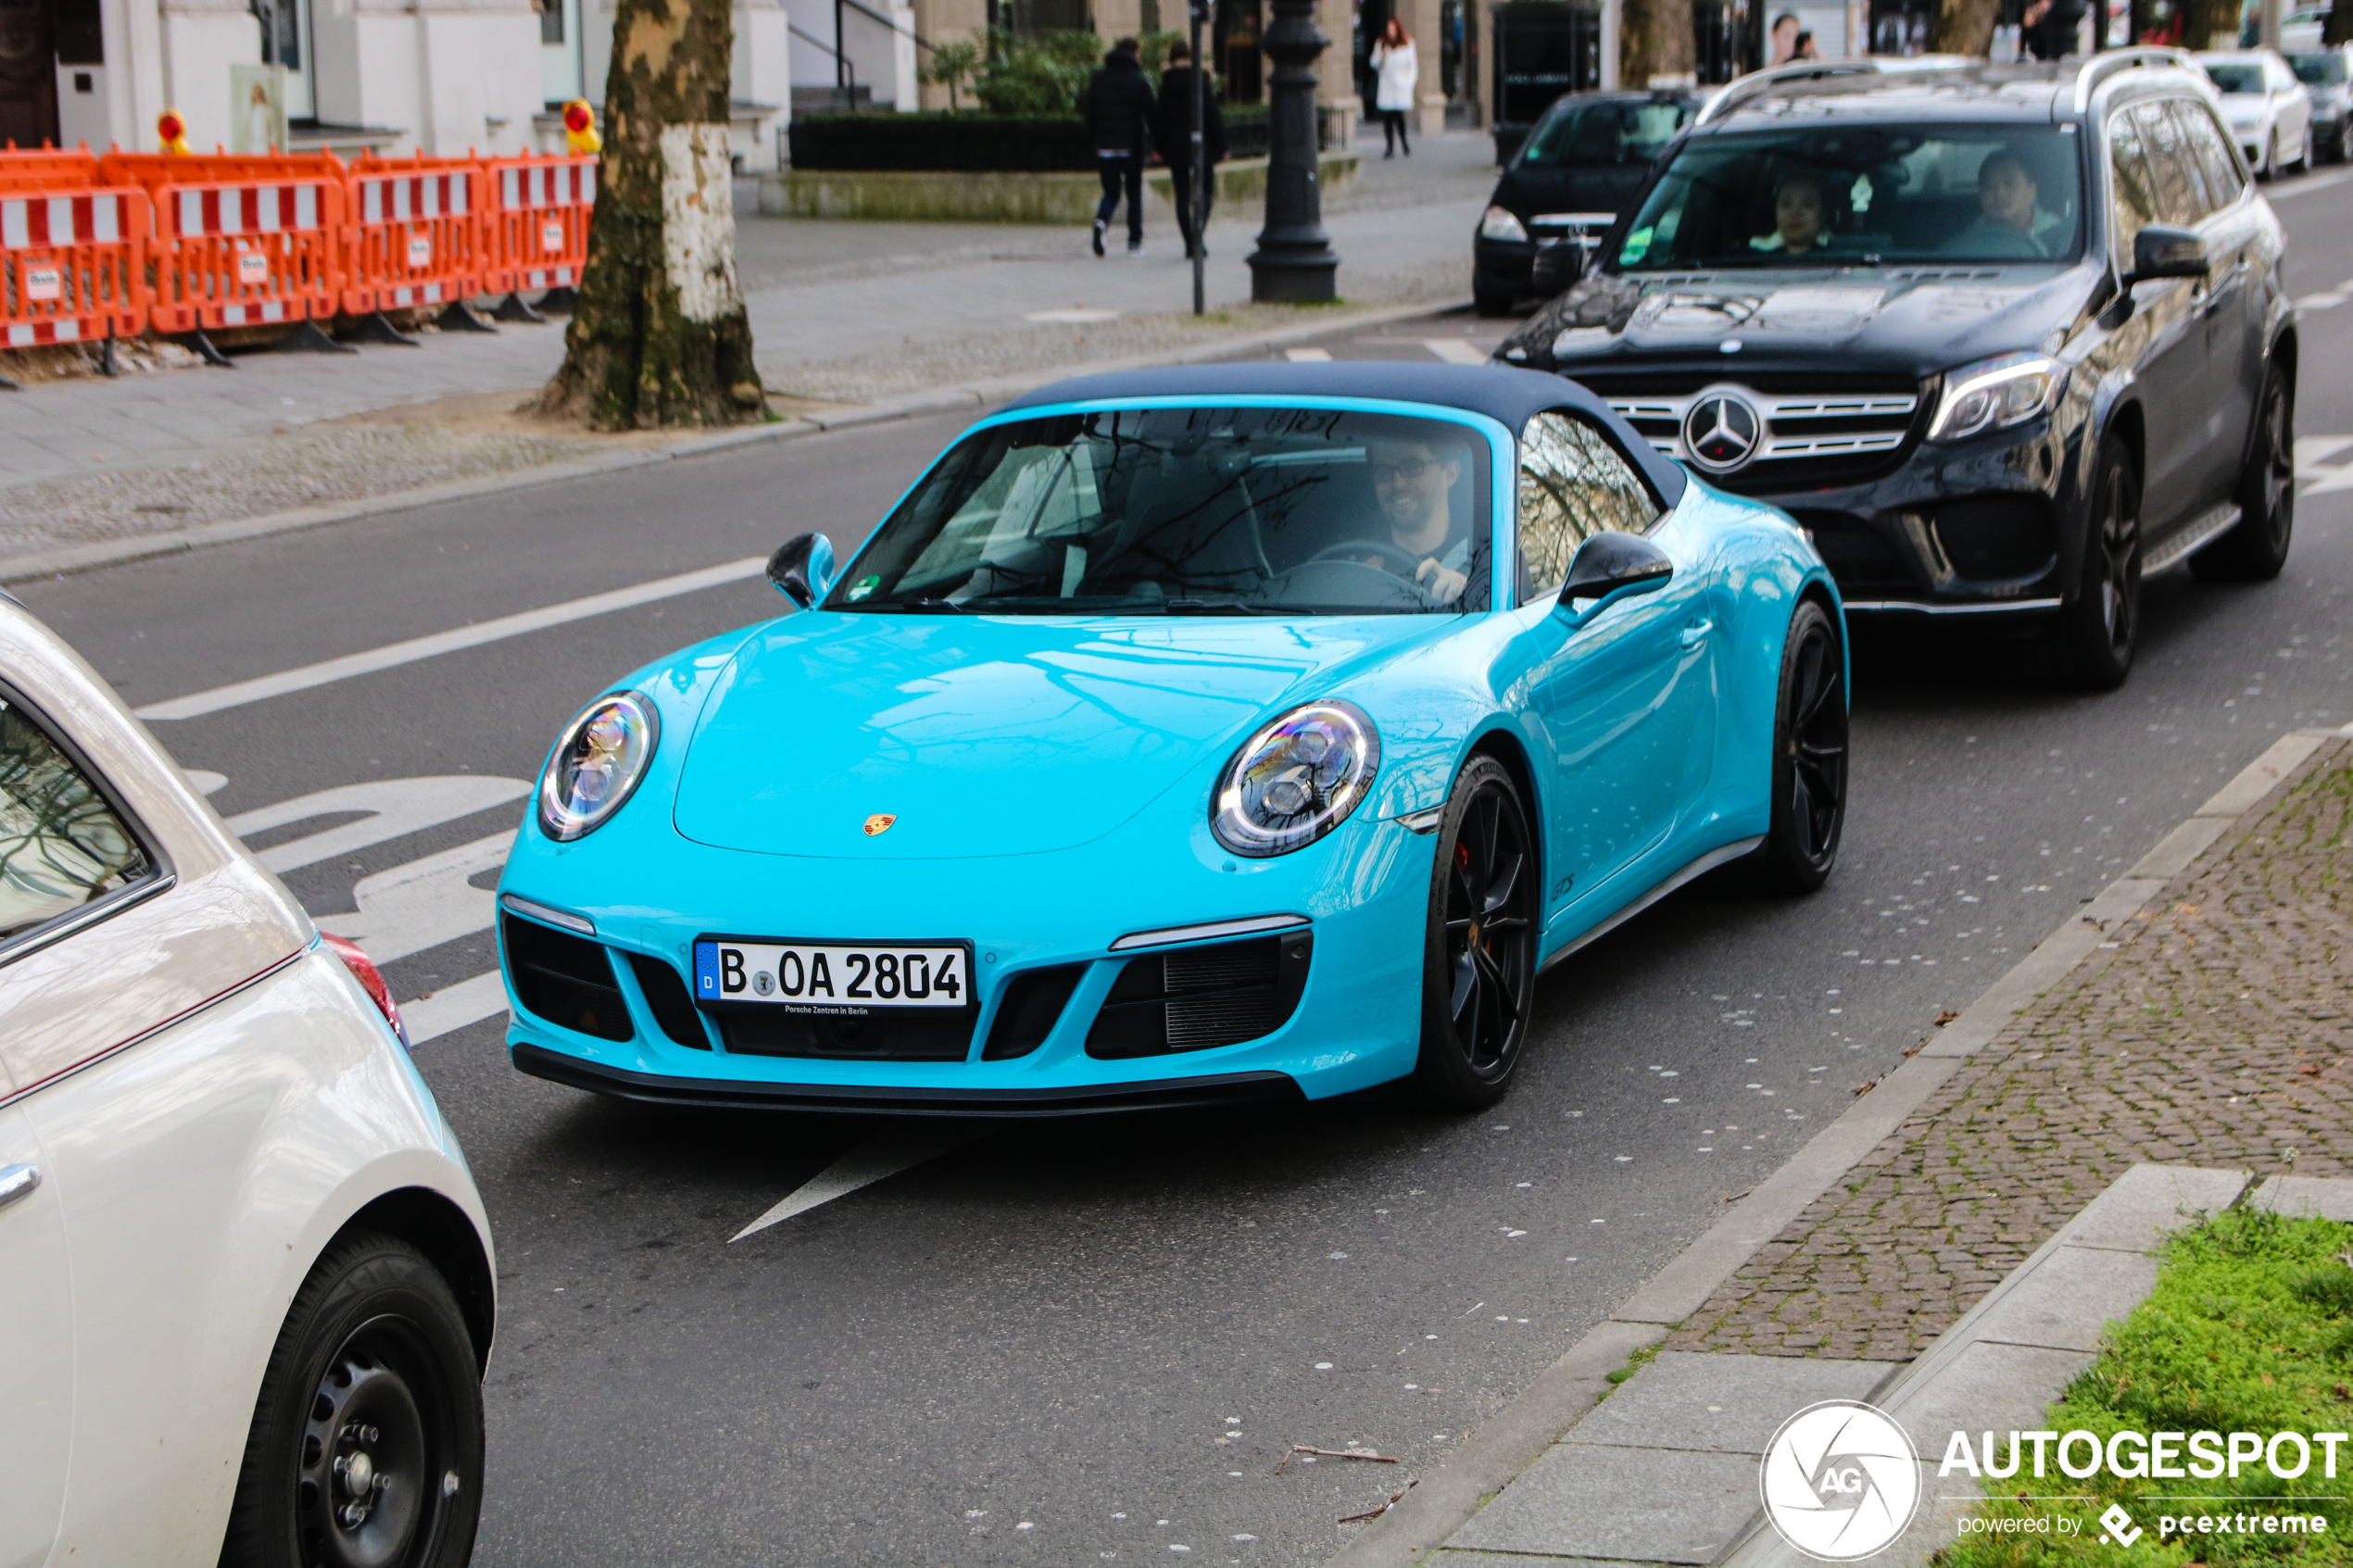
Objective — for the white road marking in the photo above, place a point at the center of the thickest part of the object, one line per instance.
(2320, 302)
(1308, 355)
(1455, 351)
(899, 1145)
(1073, 315)
(396, 654)
(454, 1007)
(2312, 453)
(2306, 185)
(423, 903)
(393, 806)
(204, 781)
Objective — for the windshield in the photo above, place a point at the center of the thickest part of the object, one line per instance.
(1190, 511)
(2319, 70)
(1845, 196)
(2237, 78)
(1616, 132)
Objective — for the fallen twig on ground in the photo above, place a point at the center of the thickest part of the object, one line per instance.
(1376, 1512)
(1335, 1453)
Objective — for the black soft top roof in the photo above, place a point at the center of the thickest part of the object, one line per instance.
(1506, 394)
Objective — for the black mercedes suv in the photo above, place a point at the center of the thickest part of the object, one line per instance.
(2002, 339)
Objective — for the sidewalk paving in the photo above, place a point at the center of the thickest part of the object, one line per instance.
(1960, 1271)
(843, 312)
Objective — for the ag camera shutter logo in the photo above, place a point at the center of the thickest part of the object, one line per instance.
(1839, 1480)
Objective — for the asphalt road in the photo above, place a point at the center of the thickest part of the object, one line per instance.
(1075, 1343)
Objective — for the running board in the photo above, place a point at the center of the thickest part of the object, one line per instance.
(2211, 525)
(1692, 873)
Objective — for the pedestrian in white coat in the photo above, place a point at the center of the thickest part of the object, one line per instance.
(1400, 70)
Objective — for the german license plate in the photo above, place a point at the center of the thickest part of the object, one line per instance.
(810, 977)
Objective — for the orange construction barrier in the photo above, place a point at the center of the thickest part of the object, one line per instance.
(415, 234)
(537, 220)
(239, 254)
(51, 168)
(72, 266)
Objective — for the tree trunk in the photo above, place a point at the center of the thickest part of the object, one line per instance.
(1965, 27)
(659, 336)
(1655, 39)
(2211, 24)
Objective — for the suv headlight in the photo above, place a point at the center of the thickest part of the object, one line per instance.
(1996, 392)
(598, 764)
(1499, 223)
(1296, 778)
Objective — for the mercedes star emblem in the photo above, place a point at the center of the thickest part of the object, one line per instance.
(1722, 431)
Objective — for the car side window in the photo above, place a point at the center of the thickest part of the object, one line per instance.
(62, 846)
(2181, 195)
(2212, 149)
(2132, 203)
(1573, 484)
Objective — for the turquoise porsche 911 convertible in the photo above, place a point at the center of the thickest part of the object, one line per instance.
(1240, 732)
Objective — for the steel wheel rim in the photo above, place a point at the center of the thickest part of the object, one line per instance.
(2118, 544)
(1816, 745)
(1491, 933)
(367, 1493)
(2279, 464)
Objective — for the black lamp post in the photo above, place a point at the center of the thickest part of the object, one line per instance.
(1295, 263)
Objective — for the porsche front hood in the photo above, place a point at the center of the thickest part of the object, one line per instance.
(988, 735)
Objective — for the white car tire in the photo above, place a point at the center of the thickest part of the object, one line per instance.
(365, 1450)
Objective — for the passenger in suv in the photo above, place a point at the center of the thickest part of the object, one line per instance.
(2003, 339)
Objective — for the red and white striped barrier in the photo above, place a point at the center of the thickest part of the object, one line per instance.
(69, 266)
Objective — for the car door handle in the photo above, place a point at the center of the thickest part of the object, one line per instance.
(17, 1182)
(1696, 633)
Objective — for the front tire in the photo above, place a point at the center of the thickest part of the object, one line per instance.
(1479, 958)
(1810, 758)
(2091, 640)
(2256, 548)
(365, 1450)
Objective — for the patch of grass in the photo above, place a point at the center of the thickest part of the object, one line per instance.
(2250, 1329)
(1634, 1363)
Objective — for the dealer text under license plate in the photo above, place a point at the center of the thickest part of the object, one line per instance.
(830, 976)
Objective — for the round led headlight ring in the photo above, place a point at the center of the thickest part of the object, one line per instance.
(1296, 780)
(598, 764)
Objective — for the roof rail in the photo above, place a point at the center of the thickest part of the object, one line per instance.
(2142, 57)
(1741, 89)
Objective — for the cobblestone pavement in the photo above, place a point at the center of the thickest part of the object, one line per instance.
(2218, 1031)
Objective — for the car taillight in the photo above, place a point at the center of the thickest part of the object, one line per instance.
(363, 969)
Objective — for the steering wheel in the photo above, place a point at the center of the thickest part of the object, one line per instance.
(1350, 549)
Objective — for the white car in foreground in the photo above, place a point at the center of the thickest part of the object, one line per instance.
(2265, 106)
(246, 1281)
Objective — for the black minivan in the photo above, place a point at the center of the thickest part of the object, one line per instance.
(2002, 339)
(1579, 164)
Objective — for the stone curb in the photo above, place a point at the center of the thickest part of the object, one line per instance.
(973, 394)
(1512, 1439)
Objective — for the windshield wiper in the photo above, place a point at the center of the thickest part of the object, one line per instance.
(923, 606)
(1212, 607)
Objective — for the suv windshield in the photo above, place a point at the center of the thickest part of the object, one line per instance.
(1843, 196)
(2319, 70)
(1190, 511)
(1617, 132)
(2240, 78)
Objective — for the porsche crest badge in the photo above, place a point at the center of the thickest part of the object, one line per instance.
(880, 823)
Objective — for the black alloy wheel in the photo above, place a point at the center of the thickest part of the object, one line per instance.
(1479, 980)
(2092, 639)
(365, 1450)
(2256, 549)
(1810, 757)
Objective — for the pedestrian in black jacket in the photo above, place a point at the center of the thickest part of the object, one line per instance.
(1120, 117)
(1176, 141)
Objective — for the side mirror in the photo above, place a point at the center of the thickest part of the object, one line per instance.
(1558, 265)
(802, 569)
(2161, 250)
(1609, 565)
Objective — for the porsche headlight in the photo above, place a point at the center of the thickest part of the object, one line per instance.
(1296, 778)
(1501, 223)
(1996, 392)
(597, 764)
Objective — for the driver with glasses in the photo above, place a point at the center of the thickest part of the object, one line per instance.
(1414, 481)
